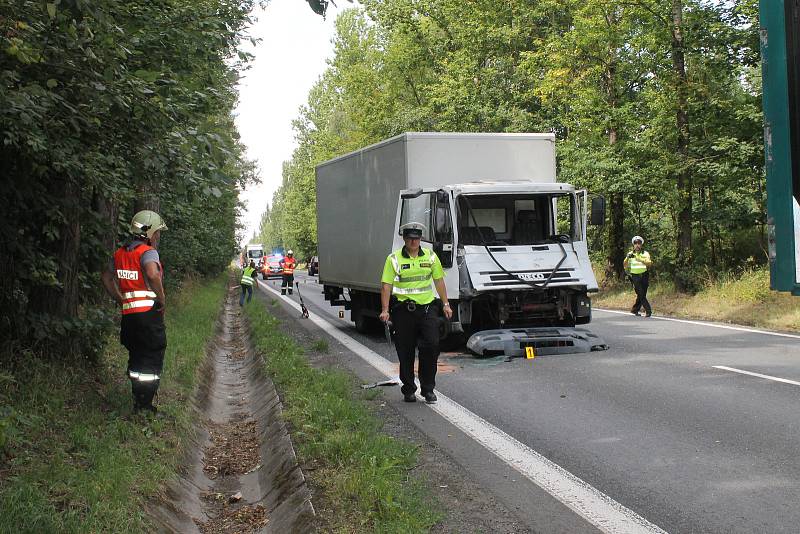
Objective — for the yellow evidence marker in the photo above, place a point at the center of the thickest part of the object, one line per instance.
(530, 353)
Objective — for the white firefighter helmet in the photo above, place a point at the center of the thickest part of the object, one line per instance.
(146, 223)
(638, 238)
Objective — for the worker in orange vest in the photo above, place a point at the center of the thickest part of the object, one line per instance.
(133, 279)
(288, 265)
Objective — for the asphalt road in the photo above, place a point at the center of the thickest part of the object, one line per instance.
(651, 423)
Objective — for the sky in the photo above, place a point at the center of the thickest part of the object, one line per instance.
(295, 43)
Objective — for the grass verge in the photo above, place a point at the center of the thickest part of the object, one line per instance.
(745, 299)
(363, 475)
(75, 459)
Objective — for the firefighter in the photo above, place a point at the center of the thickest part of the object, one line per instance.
(249, 276)
(134, 279)
(407, 297)
(637, 263)
(288, 265)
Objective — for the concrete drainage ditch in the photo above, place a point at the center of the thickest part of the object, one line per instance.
(240, 473)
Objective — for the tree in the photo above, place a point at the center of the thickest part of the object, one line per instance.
(107, 107)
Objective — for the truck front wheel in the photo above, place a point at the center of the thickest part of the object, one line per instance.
(363, 323)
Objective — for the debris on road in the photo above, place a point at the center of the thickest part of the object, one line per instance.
(390, 382)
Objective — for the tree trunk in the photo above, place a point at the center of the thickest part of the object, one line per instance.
(108, 211)
(616, 237)
(615, 244)
(684, 177)
(61, 303)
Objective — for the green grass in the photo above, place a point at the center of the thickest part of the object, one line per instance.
(744, 299)
(363, 476)
(72, 456)
(320, 345)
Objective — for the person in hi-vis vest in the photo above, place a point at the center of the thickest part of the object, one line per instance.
(249, 277)
(133, 279)
(637, 264)
(288, 265)
(407, 296)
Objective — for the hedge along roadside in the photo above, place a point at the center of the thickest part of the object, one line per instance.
(361, 477)
(75, 459)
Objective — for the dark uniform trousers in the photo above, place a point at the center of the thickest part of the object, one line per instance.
(145, 337)
(640, 284)
(287, 284)
(417, 329)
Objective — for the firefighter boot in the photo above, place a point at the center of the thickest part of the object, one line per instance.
(143, 393)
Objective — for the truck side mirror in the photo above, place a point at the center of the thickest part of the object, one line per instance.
(598, 215)
(408, 194)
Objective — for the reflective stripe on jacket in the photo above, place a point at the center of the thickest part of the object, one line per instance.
(413, 276)
(136, 296)
(288, 265)
(247, 276)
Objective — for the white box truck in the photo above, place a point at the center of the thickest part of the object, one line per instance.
(511, 239)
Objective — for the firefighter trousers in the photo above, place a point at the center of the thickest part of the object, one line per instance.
(145, 337)
(288, 284)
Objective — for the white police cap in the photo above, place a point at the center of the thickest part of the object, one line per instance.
(412, 229)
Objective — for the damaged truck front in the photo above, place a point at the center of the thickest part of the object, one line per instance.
(516, 255)
(511, 239)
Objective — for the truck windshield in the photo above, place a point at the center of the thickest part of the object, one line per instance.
(531, 219)
(255, 254)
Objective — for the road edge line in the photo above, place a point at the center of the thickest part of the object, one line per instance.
(704, 323)
(602, 511)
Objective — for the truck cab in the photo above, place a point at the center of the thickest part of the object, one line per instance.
(514, 252)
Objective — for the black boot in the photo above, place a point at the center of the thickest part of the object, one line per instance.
(143, 393)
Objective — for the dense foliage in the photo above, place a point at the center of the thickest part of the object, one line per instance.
(656, 106)
(107, 107)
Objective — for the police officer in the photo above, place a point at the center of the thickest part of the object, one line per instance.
(133, 279)
(249, 275)
(406, 284)
(288, 265)
(637, 263)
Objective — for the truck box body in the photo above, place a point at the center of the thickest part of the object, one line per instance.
(357, 193)
(511, 239)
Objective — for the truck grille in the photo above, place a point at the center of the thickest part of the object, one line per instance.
(499, 278)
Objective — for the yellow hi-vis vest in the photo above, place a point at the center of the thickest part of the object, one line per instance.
(636, 263)
(247, 276)
(411, 277)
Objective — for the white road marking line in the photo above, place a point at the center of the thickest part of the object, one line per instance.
(702, 323)
(759, 375)
(597, 508)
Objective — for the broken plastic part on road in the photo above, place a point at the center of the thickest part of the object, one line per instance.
(513, 342)
(390, 382)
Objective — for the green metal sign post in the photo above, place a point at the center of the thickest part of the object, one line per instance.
(780, 51)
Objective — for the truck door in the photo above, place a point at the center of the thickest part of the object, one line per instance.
(432, 209)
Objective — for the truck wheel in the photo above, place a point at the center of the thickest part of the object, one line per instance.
(364, 324)
(586, 319)
(453, 342)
